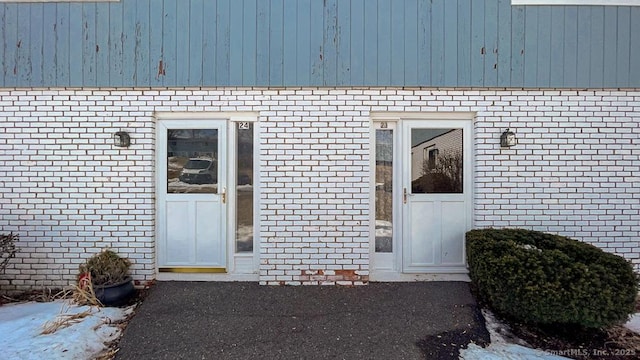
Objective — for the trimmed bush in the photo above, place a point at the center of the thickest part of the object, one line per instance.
(545, 279)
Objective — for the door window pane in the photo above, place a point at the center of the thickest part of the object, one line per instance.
(192, 160)
(244, 188)
(384, 190)
(436, 161)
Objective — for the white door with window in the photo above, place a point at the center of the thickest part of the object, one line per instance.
(423, 187)
(192, 195)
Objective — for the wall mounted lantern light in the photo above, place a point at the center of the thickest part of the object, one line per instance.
(508, 139)
(121, 139)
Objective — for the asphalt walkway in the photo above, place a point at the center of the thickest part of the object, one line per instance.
(239, 320)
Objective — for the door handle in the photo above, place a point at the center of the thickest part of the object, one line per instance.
(404, 196)
(224, 195)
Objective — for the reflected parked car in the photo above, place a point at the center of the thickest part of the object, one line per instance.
(199, 171)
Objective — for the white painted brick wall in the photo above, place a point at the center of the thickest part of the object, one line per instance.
(68, 192)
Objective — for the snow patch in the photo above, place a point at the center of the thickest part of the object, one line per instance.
(21, 327)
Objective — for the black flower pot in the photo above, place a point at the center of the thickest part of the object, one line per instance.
(116, 294)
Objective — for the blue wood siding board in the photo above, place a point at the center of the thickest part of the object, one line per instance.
(195, 24)
(223, 45)
(491, 43)
(610, 46)
(303, 41)
(397, 43)
(370, 44)
(3, 41)
(584, 47)
(290, 60)
(330, 44)
(357, 42)
(544, 46)
(437, 43)
(89, 67)
(36, 44)
(142, 51)
(169, 47)
(76, 61)
(531, 47)
(504, 43)
(570, 45)
(276, 43)
(24, 47)
(634, 56)
(128, 42)
(424, 41)
(450, 38)
(624, 48)
(102, 45)
(384, 42)
(556, 57)
(115, 45)
(249, 41)
(182, 55)
(464, 42)
(596, 72)
(517, 46)
(156, 60)
(236, 29)
(478, 48)
(209, 43)
(343, 44)
(62, 44)
(263, 37)
(410, 43)
(48, 44)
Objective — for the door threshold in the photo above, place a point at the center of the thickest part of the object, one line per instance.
(193, 270)
(166, 276)
(389, 276)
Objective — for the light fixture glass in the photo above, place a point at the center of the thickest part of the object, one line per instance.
(121, 139)
(508, 139)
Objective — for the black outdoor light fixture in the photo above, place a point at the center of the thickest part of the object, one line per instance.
(121, 139)
(508, 139)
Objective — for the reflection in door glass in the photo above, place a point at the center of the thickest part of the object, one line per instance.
(244, 201)
(436, 161)
(192, 161)
(384, 190)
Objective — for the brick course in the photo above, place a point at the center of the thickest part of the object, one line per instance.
(68, 192)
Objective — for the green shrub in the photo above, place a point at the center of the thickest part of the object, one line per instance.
(544, 279)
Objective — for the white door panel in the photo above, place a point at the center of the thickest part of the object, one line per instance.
(437, 182)
(191, 180)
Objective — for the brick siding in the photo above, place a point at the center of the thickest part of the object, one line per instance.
(68, 192)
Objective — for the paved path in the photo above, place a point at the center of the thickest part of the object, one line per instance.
(217, 320)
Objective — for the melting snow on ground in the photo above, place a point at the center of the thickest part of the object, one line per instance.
(22, 324)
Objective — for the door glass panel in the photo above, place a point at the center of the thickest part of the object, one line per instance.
(192, 160)
(244, 187)
(436, 161)
(384, 190)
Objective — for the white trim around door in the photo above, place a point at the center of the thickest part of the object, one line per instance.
(422, 192)
(200, 232)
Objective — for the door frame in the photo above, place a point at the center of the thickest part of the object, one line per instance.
(240, 266)
(394, 271)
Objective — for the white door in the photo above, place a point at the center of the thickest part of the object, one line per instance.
(191, 194)
(436, 195)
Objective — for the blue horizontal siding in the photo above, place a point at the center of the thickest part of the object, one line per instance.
(451, 43)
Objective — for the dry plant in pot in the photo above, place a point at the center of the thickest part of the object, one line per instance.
(106, 274)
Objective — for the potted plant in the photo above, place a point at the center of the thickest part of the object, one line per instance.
(108, 275)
